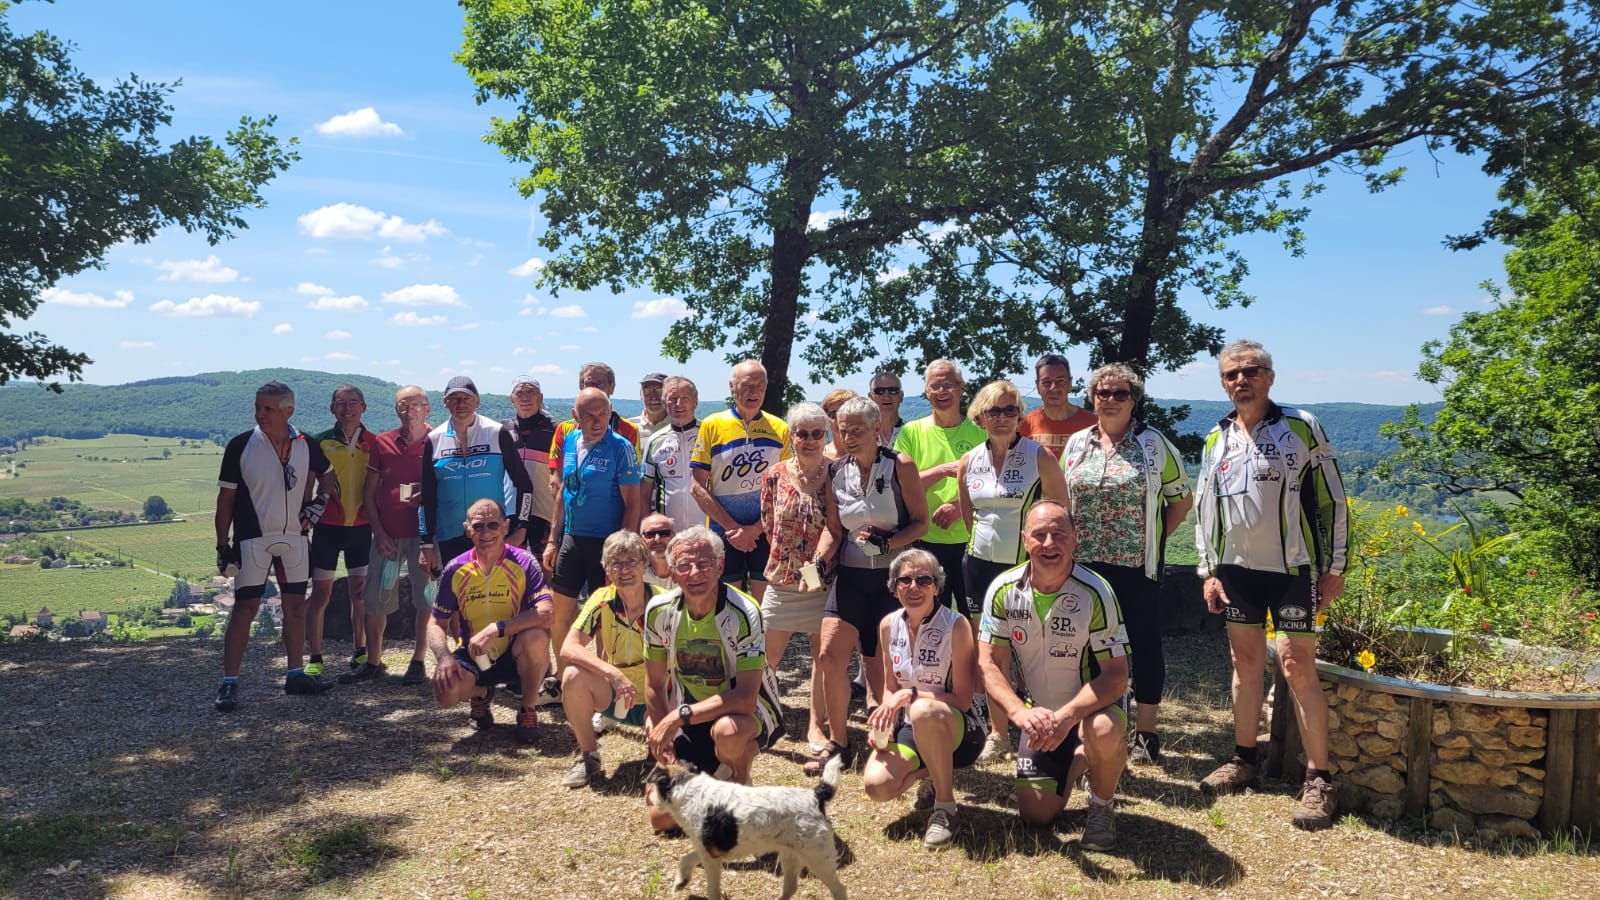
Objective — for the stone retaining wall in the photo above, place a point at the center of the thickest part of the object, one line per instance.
(1485, 771)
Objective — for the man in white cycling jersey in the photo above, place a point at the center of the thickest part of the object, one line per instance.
(1271, 530)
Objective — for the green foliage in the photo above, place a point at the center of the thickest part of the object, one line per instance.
(1521, 383)
(55, 513)
(180, 594)
(82, 169)
(155, 507)
(264, 625)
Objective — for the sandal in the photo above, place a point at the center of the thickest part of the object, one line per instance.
(816, 764)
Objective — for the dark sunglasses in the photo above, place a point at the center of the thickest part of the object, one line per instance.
(1003, 412)
(1249, 372)
(918, 580)
(1119, 395)
(485, 526)
(885, 391)
(818, 434)
(658, 533)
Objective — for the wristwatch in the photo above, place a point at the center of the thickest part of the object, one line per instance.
(685, 713)
(501, 627)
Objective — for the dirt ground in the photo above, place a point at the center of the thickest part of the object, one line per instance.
(121, 781)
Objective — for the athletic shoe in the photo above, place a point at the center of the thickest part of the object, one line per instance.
(585, 770)
(1314, 809)
(228, 696)
(364, 672)
(305, 683)
(995, 747)
(528, 725)
(358, 660)
(314, 669)
(1099, 829)
(549, 692)
(600, 723)
(482, 717)
(941, 829)
(1145, 748)
(415, 673)
(1231, 777)
(924, 801)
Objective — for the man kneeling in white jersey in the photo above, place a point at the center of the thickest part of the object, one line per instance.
(1063, 624)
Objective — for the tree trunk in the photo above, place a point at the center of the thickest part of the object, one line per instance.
(790, 250)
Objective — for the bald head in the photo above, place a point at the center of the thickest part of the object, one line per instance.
(593, 412)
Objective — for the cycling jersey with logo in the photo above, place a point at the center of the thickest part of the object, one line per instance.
(701, 667)
(736, 453)
(452, 480)
(1057, 639)
(875, 501)
(349, 460)
(927, 662)
(488, 594)
(1001, 499)
(929, 445)
(624, 427)
(268, 488)
(591, 483)
(534, 435)
(1272, 500)
(666, 466)
(618, 641)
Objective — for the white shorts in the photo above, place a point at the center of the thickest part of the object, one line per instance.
(261, 556)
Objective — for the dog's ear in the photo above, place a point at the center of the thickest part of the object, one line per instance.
(659, 778)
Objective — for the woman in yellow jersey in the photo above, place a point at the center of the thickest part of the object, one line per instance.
(611, 681)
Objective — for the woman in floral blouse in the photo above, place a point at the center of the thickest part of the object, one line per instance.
(1128, 490)
(801, 522)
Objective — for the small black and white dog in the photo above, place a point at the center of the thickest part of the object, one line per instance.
(730, 821)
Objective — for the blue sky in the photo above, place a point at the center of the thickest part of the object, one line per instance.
(398, 246)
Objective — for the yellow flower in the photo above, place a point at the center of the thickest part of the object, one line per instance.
(1322, 619)
(1417, 527)
(1401, 511)
(1367, 660)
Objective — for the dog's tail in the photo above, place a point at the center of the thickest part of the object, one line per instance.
(829, 784)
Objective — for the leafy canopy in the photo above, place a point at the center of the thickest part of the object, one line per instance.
(82, 168)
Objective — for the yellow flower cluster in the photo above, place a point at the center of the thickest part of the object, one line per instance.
(1366, 660)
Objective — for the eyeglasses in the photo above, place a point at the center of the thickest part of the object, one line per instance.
(942, 386)
(1009, 411)
(1121, 396)
(918, 580)
(687, 566)
(885, 391)
(480, 527)
(623, 565)
(657, 533)
(1050, 384)
(817, 434)
(346, 404)
(1249, 372)
(403, 408)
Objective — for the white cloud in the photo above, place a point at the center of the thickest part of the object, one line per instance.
(410, 319)
(352, 303)
(312, 289)
(893, 273)
(388, 259)
(207, 306)
(364, 122)
(467, 327)
(137, 345)
(340, 356)
(473, 262)
(282, 328)
(209, 270)
(589, 329)
(64, 297)
(499, 370)
(569, 312)
(819, 220)
(529, 268)
(569, 347)
(424, 295)
(1440, 310)
(337, 335)
(659, 308)
(347, 221)
(546, 369)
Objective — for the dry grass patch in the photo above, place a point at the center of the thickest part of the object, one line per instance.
(124, 783)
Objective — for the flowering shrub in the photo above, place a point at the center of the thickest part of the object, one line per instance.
(1405, 574)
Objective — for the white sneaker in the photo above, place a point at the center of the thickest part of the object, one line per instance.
(995, 748)
(601, 723)
(941, 829)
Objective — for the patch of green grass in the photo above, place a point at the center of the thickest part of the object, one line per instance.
(65, 591)
(28, 842)
(1215, 817)
(325, 850)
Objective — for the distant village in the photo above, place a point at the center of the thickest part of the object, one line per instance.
(212, 598)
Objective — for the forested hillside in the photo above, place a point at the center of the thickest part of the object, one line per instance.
(216, 405)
